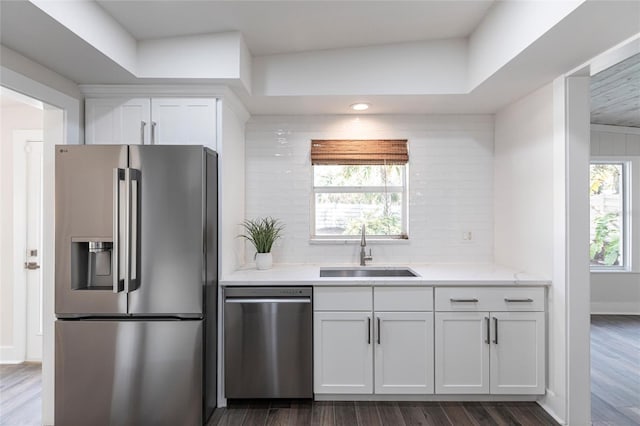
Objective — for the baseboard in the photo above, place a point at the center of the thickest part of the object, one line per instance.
(420, 398)
(8, 355)
(548, 402)
(550, 412)
(624, 308)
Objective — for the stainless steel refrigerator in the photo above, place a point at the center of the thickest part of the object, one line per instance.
(136, 285)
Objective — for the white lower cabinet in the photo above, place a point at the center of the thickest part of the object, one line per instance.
(462, 352)
(343, 354)
(490, 352)
(387, 340)
(345, 341)
(518, 353)
(404, 353)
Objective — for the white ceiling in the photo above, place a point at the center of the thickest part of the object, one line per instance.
(318, 28)
(292, 26)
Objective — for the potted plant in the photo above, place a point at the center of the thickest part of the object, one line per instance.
(262, 233)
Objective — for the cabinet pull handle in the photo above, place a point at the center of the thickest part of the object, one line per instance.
(142, 126)
(495, 328)
(153, 132)
(464, 300)
(488, 329)
(378, 330)
(369, 330)
(507, 299)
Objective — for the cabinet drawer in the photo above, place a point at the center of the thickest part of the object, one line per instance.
(489, 299)
(342, 299)
(390, 299)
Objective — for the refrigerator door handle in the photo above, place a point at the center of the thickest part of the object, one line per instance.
(133, 187)
(118, 175)
(130, 229)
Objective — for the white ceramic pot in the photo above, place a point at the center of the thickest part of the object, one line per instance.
(264, 261)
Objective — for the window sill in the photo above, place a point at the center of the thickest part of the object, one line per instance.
(347, 242)
(612, 271)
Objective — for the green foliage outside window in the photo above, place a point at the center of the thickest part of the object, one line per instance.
(605, 248)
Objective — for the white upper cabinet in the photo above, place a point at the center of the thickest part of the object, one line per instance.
(183, 121)
(162, 121)
(117, 121)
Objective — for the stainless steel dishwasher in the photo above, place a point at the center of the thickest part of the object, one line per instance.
(268, 342)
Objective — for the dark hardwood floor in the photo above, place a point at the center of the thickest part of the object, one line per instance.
(615, 370)
(20, 387)
(615, 395)
(298, 413)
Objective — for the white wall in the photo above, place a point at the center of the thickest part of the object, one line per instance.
(523, 202)
(526, 207)
(619, 292)
(14, 117)
(231, 205)
(450, 184)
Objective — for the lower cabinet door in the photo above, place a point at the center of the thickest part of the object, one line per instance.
(517, 353)
(343, 354)
(404, 352)
(462, 352)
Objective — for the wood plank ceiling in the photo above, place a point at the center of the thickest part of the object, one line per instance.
(615, 94)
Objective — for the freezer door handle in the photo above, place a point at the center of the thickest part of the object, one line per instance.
(118, 284)
(131, 229)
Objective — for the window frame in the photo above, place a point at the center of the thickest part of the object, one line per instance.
(344, 239)
(626, 234)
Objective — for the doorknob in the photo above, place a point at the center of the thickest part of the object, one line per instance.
(31, 265)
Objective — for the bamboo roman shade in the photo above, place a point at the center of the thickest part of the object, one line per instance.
(350, 152)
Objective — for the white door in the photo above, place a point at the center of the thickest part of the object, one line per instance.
(404, 352)
(34, 157)
(26, 277)
(117, 121)
(517, 353)
(462, 352)
(343, 354)
(184, 121)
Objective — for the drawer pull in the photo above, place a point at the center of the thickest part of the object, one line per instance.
(465, 300)
(527, 300)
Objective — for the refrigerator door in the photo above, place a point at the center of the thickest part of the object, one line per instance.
(128, 373)
(87, 275)
(169, 258)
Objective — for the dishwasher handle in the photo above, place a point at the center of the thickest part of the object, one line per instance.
(268, 300)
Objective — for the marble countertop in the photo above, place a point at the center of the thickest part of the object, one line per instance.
(428, 274)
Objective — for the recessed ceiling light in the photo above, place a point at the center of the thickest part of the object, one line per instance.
(359, 106)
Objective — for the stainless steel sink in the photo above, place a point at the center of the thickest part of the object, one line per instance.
(366, 272)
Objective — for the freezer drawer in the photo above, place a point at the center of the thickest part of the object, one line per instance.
(128, 373)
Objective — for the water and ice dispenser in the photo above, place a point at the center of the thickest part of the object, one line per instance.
(91, 264)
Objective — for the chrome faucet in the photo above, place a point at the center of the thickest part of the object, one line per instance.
(363, 252)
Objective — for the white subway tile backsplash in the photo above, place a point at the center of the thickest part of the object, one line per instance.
(450, 184)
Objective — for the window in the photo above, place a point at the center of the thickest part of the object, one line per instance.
(609, 220)
(359, 183)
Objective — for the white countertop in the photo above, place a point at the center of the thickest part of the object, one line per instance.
(429, 274)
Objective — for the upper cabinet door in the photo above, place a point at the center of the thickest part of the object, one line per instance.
(116, 121)
(184, 121)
